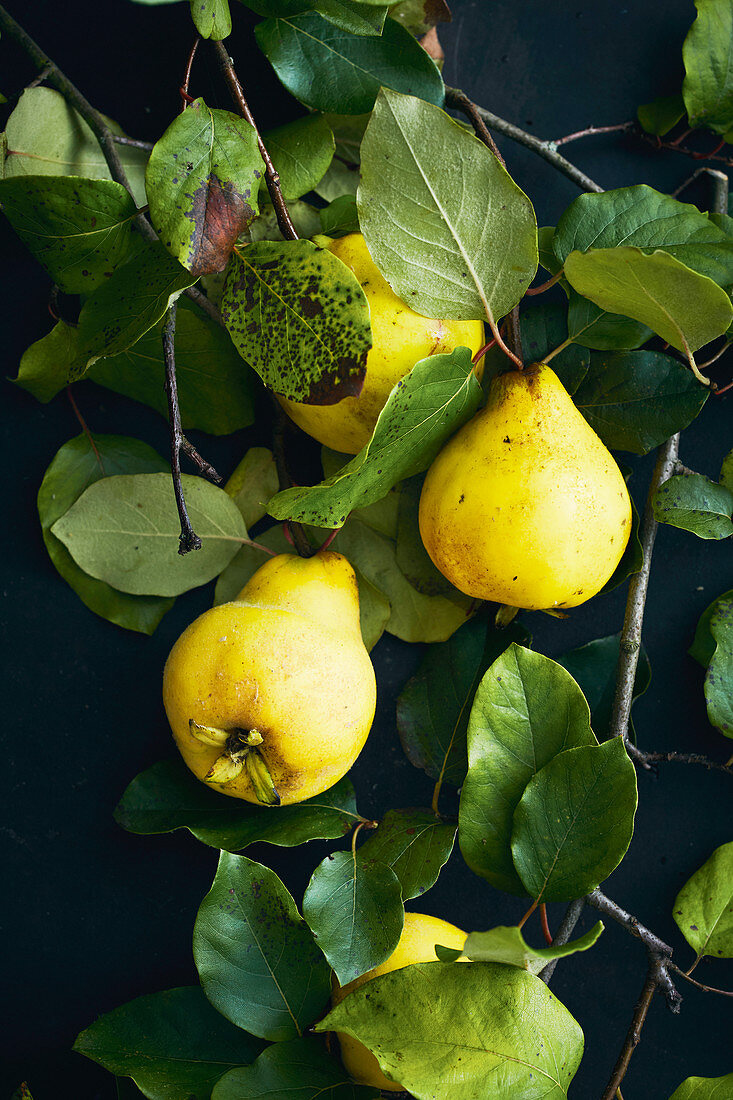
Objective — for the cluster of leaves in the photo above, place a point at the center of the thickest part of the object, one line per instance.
(706, 98)
(485, 714)
(266, 967)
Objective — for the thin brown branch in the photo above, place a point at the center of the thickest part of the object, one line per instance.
(188, 539)
(545, 149)
(649, 759)
(514, 336)
(85, 429)
(591, 131)
(630, 644)
(563, 934)
(199, 298)
(135, 143)
(598, 900)
(706, 988)
(72, 95)
(685, 150)
(272, 179)
(654, 979)
(459, 101)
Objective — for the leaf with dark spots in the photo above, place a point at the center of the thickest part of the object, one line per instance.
(202, 182)
(298, 315)
(79, 230)
(256, 957)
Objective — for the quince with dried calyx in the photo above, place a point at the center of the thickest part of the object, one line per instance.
(271, 697)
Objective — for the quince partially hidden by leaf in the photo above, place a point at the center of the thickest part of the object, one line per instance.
(271, 697)
(400, 338)
(525, 505)
(420, 934)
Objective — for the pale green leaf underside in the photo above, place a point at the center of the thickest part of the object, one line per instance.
(686, 309)
(125, 530)
(444, 222)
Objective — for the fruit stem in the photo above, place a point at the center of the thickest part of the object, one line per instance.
(529, 913)
(545, 926)
(498, 337)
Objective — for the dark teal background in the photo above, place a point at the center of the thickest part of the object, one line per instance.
(93, 917)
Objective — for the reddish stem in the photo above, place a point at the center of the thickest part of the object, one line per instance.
(545, 926)
(85, 428)
(543, 286)
(482, 351)
(187, 76)
(329, 540)
(529, 913)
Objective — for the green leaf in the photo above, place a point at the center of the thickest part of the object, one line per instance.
(484, 1039)
(662, 114)
(646, 219)
(703, 909)
(414, 617)
(705, 1088)
(353, 905)
(168, 797)
(212, 18)
(415, 844)
(433, 709)
(526, 711)
(172, 1044)
(331, 70)
(726, 472)
(45, 365)
(418, 16)
(256, 957)
(297, 313)
(74, 468)
(684, 308)
(356, 16)
(340, 217)
(703, 645)
(596, 328)
(300, 1069)
(430, 210)
(543, 328)
(215, 388)
(252, 484)
(124, 530)
(47, 137)
(719, 677)
(635, 400)
(129, 303)
(342, 177)
(79, 230)
(593, 667)
(423, 410)
(301, 152)
(507, 945)
(575, 821)
(22, 1092)
(695, 503)
(202, 181)
(708, 83)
